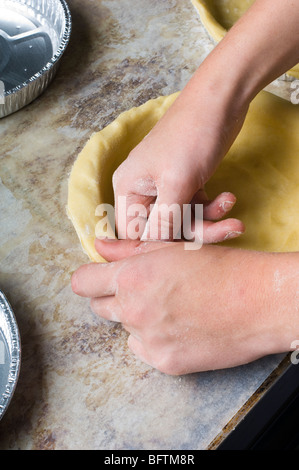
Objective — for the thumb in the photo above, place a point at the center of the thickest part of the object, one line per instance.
(131, 213)
(114, 250)
(165, 218)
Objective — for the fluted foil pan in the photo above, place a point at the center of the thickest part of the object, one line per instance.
(33, 37)
(10, 353)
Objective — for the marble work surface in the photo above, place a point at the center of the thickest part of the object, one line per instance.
(79, 386)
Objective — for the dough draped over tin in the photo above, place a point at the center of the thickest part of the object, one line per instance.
(218, 16)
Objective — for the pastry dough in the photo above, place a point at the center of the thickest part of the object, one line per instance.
(261, 169)
(218, 16)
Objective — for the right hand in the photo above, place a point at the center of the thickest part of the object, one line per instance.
(173, 163)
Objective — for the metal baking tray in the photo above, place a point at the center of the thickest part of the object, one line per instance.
(10, 353)
(33, 37)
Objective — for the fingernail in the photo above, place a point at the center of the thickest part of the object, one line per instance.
(227, 205)
(230, 235)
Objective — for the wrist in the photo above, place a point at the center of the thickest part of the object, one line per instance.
(262, 293)
(213, 111)
(261, 46)
(278, 300)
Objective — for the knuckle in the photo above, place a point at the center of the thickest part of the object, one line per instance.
(168, 364)
(118, 175)
(115, 178)
(124, 170)
(131, 319)
(133, 277)
(172, 180)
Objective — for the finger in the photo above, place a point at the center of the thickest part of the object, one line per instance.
(107, 307)
(212, 232)
(96, 279)
(136, 346)
(218, 207)
(133, 189)
(114, 250)
(165, 219)
(131, 213)
(216, 232)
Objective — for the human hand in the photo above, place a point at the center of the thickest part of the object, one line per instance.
(187, 311)
(183, 150)
(175, 160)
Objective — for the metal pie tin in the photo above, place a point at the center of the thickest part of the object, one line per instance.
(10, 353)
(33, 37)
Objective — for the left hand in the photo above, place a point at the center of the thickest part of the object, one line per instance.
(186, 311)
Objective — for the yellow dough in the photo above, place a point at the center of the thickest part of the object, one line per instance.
(218, 16)
(261, 169)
